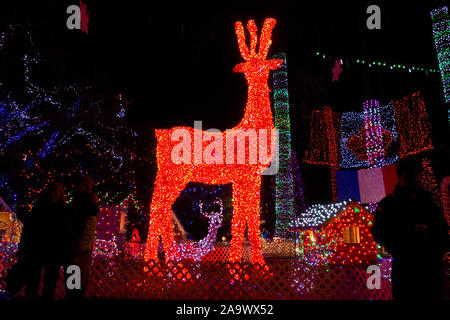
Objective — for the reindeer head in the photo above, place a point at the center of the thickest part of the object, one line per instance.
(215, 217)
(255, 65)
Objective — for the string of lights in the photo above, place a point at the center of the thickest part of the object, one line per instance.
(319, 143)
(316, 250)
(17, 121)
(196, 251)
(374, 132)
(378, 136)
(38, 175)
(122, 103)
(7, 192)
(351, 229)
(50, 143)
(284, 184)
(441, 35)
(369, 138)
(336, 233)
(379, 64)
(332, 148)
(413, 126)
(318, 214)
(299, 194)
(429, 182)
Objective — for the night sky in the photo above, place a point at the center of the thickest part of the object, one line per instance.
(175, 59)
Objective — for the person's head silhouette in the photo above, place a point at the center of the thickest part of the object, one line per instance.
(409, 174)
(55, 193)
(86, 184)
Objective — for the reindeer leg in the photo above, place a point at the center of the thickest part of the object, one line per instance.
(238, 221)
(253, 215)
(172, 193)
(164, 195)
(156, 220)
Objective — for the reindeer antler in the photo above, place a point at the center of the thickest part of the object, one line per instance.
(251, 26)
(240, 33)
(266, 37)
(264, 42)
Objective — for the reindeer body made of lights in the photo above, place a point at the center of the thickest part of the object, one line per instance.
(172, 178)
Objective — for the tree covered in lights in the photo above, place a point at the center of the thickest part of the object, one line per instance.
(60, 132)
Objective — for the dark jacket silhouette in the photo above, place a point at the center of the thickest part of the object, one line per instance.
(46, 244)
(49, 234)
(413, 230)
(85, 209)
(84, 217)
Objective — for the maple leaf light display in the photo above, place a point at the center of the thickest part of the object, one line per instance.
(172, 178)
(373, 140)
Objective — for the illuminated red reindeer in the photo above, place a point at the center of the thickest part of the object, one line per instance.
(173, 173)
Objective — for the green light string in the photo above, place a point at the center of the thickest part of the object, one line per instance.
(383, 64)
(284, 182)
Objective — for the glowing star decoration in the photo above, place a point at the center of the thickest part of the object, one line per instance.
(245, 177)
(84, 17)
(337, 70)
(441, 35)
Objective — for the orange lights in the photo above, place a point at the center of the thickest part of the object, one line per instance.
(172, 177)
(341, 236)
(364, 250)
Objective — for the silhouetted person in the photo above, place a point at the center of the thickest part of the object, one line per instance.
(413, 230)
(47, 241)
(84, 216)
